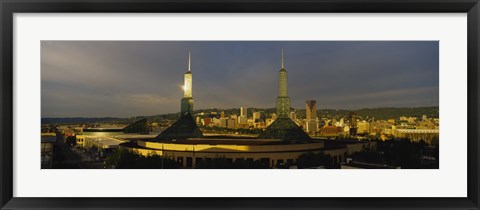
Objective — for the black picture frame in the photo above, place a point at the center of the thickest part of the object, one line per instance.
(10, 7)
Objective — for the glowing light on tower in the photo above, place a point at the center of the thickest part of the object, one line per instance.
(187, 86)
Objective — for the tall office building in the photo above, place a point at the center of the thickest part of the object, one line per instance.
(283, 101)
(353, 123)
(243, 111)
(256, 115)
(187, 100)
(311, 109)
(222, 115)
(311, 116)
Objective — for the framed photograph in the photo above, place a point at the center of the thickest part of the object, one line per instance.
(239, 105)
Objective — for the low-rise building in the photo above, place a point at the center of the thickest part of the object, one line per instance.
(417, 134)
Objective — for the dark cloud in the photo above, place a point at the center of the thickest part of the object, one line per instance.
(130, 78)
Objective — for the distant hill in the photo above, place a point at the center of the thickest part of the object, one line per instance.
(377, 113)
(74, 120)
(389, 113)
(382, 113)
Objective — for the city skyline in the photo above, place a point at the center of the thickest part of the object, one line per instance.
(127, 79)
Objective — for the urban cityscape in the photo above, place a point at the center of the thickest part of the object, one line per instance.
(250, 136)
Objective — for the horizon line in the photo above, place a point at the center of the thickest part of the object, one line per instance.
(336, 109)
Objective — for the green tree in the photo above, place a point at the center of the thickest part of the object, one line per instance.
(71, 141)
(310, 159)
(434, 141)
(125, 159)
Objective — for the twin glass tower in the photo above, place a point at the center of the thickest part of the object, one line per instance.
(282, 128)
(283, 101)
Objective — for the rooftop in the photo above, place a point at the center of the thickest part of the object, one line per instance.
(137, 136)
(106, 141)
(286, 129)
(111, 129)
(227, 141)
(185, 127)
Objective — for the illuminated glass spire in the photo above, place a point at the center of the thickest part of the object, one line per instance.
(186, 105)
(185, 127)
(283, 101)
(187, 87)
(283, 127)
(282, 80)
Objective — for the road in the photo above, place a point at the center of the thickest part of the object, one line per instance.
(74, 158)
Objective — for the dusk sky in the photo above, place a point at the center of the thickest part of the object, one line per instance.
(133, 78)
